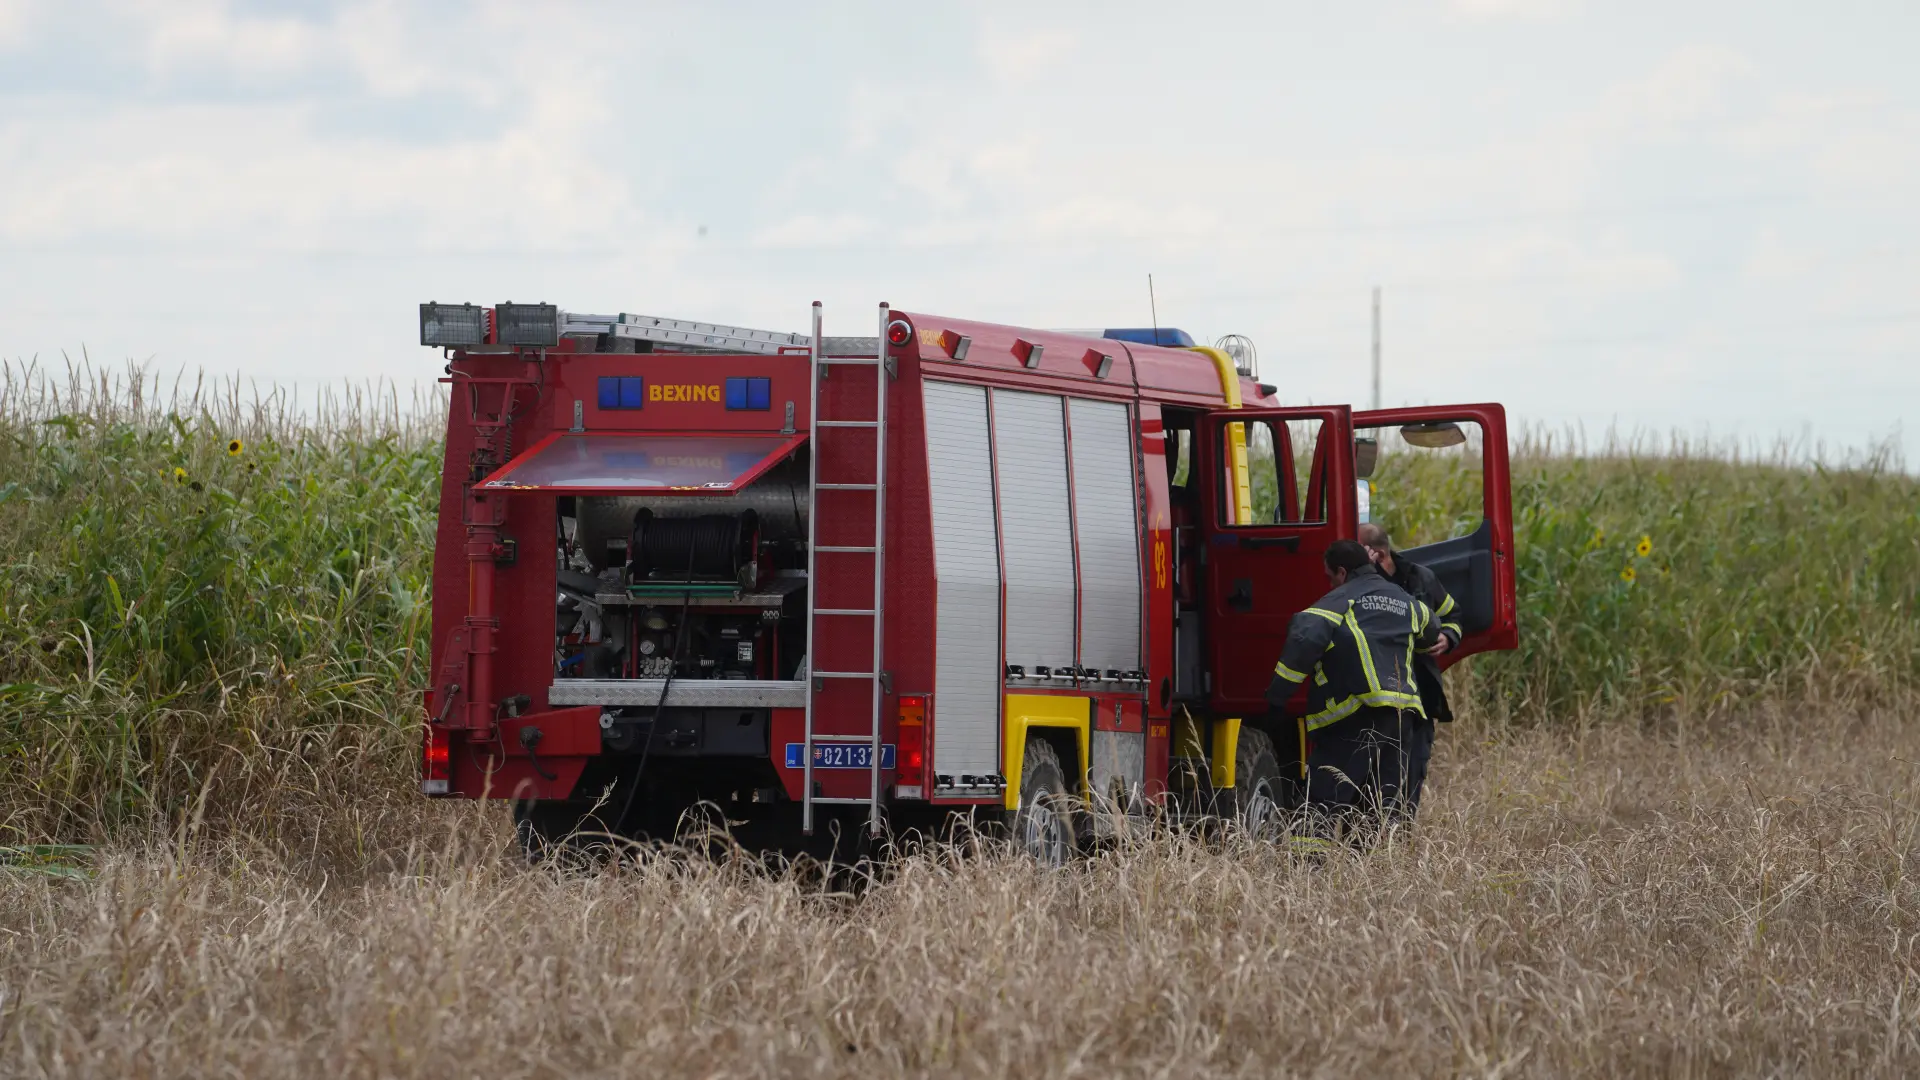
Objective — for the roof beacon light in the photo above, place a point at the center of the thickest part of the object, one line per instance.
(899, 332)
(1246, 358)
(529, 325)
(452, 325)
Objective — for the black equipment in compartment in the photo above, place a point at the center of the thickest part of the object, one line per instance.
(712, 547)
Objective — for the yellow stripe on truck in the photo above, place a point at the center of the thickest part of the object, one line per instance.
(1236, 434)
(1226, 751)
(1026, 711)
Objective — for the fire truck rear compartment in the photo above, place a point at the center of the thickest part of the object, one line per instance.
(702, 598)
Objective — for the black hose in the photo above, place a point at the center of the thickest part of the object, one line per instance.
(673, 665)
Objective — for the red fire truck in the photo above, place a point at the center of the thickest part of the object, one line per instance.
(829, 585)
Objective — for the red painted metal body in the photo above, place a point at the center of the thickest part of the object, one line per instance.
(494, 619)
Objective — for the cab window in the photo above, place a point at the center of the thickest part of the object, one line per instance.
(1286, 464)
(1427, 481)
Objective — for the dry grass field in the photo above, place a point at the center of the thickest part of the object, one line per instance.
(1599, 903)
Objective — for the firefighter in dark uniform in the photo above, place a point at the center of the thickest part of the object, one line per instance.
(1355, 647)
(1425, 587)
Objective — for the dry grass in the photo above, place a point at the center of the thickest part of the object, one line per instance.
(1607, 902)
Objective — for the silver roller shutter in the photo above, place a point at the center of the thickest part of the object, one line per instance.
(1107, 521)
(1030, 450)
(966, 558)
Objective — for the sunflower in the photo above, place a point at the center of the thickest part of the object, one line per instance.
(234, 446)
(179, 475)
(1645, 547)
(1628, 575)
(1599, 537)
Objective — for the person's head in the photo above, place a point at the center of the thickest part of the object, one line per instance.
(1378, 544)
(1343, 557)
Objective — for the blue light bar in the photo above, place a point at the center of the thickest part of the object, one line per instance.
(1148, 335)
(753, 394)
(622, 392)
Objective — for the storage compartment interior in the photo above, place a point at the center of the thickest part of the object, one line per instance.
(692, 587)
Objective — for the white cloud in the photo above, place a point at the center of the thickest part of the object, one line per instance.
(269, 173)
(1690, 86)
(815, 231)
(184, 35)
(17, 19)
(1512, 9)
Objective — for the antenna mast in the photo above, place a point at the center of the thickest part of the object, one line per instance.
(1154, 307)
(1376, 346)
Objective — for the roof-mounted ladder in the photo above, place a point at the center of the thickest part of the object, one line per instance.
(689, 336)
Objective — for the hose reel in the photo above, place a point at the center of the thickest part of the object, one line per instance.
(708, 548)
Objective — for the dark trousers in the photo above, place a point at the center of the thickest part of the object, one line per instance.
(1367, 771)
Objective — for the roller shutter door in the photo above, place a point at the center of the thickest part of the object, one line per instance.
(966, 557)
(1036, 530)
(1107, 522)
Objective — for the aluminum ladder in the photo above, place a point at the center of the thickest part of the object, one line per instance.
(821, 363)
(686, 335)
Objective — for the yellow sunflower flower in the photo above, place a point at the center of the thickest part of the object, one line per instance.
(179, 475)
(234, 447)
(1627, 574)
(1599, 537)
(1645, 547)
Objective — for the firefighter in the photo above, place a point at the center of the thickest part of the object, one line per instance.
(1424, 586)
(1357, 645)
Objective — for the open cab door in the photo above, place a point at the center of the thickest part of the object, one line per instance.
(1283, 489)
(1440, 487)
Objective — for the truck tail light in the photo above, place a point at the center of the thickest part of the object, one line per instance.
(913, 742)
(899, 332)
(436, 761)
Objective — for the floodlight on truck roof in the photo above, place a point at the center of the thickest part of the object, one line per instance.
(535, 326)
(452, 325)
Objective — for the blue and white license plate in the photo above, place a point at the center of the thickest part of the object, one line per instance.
(839, 755)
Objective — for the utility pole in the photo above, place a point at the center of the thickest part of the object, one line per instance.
(1376, 346)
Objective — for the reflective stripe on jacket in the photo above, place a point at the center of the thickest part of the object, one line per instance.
(1358, 644)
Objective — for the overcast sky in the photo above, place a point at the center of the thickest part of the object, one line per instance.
(1693, 215)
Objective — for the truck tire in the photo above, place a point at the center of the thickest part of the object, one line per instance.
(1261, 796)
(1043, 827)
(547, 829)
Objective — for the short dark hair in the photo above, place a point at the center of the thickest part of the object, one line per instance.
(1347, 555)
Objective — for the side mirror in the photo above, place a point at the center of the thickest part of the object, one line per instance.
(1363, 500)
(1437, 435)
(1366, 454)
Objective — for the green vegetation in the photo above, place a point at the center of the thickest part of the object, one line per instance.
(1686, 583)
(176, 607)
(212, 583)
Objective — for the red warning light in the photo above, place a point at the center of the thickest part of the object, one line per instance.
(899, 332)
(913, 743)
(436, 764)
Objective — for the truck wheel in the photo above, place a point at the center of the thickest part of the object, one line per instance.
(549, 829)
(1043, 826)
(1260, 797)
